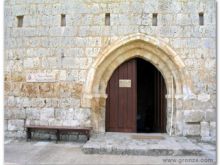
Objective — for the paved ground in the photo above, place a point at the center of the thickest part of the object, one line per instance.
(68, 153)
(141, 144)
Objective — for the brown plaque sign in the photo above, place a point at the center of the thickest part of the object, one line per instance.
(124, 83)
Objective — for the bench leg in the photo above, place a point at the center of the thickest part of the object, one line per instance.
(87, 135)
(28, 135)
(58, 135)
(77, 135)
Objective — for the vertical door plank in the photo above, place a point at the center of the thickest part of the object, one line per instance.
(132, 97)
(121, 102)
(107, 115)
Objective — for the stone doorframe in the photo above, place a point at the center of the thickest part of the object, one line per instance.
(151, 49)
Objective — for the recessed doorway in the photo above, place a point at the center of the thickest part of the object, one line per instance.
(136, 99)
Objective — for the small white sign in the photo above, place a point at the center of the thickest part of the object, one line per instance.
(41, 77)
(124, 83)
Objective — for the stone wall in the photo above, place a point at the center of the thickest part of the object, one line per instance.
(42, 45)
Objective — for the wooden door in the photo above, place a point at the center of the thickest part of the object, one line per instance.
(121, 103)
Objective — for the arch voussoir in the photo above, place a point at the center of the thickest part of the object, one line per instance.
(148, 48)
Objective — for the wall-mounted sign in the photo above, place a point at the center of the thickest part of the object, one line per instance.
(124, 83)
(41, 77)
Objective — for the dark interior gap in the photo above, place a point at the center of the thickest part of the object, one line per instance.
(150, 118)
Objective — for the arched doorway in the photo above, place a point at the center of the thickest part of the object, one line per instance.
(153, 50)
(136, 99)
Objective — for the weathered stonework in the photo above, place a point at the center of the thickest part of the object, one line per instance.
(205, 131)
(192, 130)
(16, 125)
(193, 116)
(83, 54)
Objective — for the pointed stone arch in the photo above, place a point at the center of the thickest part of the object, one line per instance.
(151, 49)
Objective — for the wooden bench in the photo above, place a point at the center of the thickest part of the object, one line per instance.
(59, 130)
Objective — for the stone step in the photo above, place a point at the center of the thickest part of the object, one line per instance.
(147, 152)
(141, 144)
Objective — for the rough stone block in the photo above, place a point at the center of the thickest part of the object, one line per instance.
(166, 19)
(210, 64)
(56, 31)
(31, 62)
(87, 20)
(75, 63)
(82, 114)
(69, 102)
(26, 102)
(49, 62)
(43, 122)
(65, 102)
(15, 88)
(15, 125)
(50, 20)
(92, 52)
(210, 115)
(69, 62)
(30, 21)
(48, 103)
(62, 75)
(72, 75)
(69, 31)
(32, 122)
(203, 97)
(37, 102)
(98, 20)
(123, 19)
(17, 77)
(15, 66)
(64, 114)
(87, 123)
(205, 129)
(55, 122)
(93, 41)
(19, 102)
(84, 31)
(33, 113)
(192, 130)
(213, 130)
(5, 125)
(74, 52)
(11, 101)
(82, 75)
(46, 113)
(15, 114)
(54, 102)
(179, 122)
(193, 115)
(46, 90)
(73, 123)
(179, 43)
(15, 134)
(183, 19)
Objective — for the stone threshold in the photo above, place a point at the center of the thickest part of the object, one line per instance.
(141, 144)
